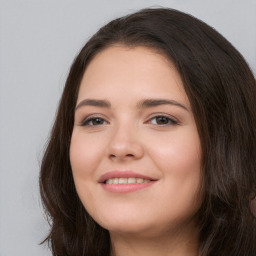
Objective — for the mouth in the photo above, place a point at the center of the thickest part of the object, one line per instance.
(125, 181)
(130, 180)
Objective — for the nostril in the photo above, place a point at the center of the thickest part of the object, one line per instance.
(127, 155)
(124, 151)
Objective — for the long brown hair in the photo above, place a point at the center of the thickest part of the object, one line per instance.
(222, 92)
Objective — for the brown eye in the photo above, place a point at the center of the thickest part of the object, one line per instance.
(94, 121)
(163, 120)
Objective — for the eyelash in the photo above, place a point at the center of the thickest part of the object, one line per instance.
(88, 120)
(170, 121)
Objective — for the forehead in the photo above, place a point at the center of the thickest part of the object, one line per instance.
(126, 68)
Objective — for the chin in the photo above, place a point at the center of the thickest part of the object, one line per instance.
(140, 226)
(125, 223)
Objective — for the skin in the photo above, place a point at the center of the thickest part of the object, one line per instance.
(131, 136)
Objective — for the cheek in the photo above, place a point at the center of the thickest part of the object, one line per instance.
(180, 153)
(84, 161)
(179, 159)
(84, 155)
(77, 155)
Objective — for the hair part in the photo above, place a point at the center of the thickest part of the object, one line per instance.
(221, 90)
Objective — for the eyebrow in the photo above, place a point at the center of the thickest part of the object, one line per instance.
(157, 102)
(147, 103)
(94, 102)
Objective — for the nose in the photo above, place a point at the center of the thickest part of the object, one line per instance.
(125, 144)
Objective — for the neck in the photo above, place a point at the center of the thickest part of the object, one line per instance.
(170, 244)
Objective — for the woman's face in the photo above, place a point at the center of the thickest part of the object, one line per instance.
(135, 150)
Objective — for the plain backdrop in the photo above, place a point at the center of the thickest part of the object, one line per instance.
(38, 42)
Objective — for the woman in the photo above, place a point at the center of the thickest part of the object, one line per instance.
(153, 149)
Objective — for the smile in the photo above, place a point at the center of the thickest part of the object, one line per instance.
(124, 177)
(126, 181)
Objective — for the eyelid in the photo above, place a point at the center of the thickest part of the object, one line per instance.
(91, 117)
(173, 120)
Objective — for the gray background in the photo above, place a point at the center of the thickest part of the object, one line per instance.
(38, 41)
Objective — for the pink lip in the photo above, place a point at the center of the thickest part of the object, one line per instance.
(122, 174)
(124, 188)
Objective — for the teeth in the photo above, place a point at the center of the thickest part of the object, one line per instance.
(126, 181)
(122, 180)
(139, 180)
(131, 180)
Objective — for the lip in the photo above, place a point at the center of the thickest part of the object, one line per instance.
(125, 188)
(123, 174)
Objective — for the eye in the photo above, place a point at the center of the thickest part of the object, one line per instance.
(94, 121)
(163, 120)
